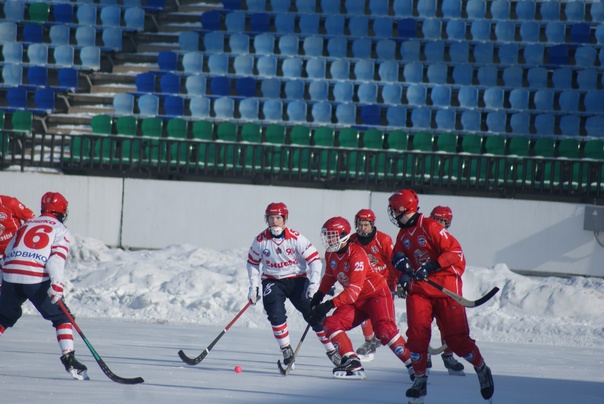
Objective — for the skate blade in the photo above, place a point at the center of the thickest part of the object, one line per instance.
(456, 372)
(367, 358)
(416, 400)
(355, 375)
(78, 375)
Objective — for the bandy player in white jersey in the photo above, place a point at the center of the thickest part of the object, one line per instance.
(289, 267)
(33, 269)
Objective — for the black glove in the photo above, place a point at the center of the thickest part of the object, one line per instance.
(424, 270)
(402, 288)
(402, 263)
(319, 312)
(316, 299)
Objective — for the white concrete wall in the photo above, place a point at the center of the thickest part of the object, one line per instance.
(525, 235)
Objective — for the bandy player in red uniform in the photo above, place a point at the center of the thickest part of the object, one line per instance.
(423, 248)
(12, 214)
(365, 297)
(378, 246)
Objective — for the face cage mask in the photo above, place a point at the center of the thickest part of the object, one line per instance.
(332, 241)
(359, 232)
(275, 230)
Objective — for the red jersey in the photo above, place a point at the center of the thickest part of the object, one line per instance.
(12, 213)
(379, 252)
(428, 241)
(353, 271)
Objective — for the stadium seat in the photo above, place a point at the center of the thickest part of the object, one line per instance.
(174, 106)
(313, 46)
(90, 58)
(249, 109)
(386, 49)
(270, 88)
(245, 86)
(192, 62)
(533, 54)
(587, 79)
(321, 112)
(264, 44)
(545, 124)
(110, 16)
(468, 97)
(508, 53)
(259, 22)
(500, 9)
(431, 29)
(68, 79)
(388, 71)
(594, 126)
(361, 48)
(585, 56)
(148, 104)
(505, 31)
(406, 28)
(292, 68)
(266, 66)
(537, 77)
(544, 100)
(403, 8)
(340, 69)
(437, 73)
(242, 64)
(213, 42)
(470, 120)
(59, 34)
(493, 98)
(12, 52)
(285, 23)
(520, 123)
(315, 68)
(580, 33)
(396, 116)
(481, 30)
(195, 85)
(569, 125)
(594, 102)
(529, 31)
(288, 45)
(413, 72)
(123, 104)
(188, 41)
(519, 99)
(85, 35)
(421, 118)
(568, 101)
(364, 70)
(337, 47)
(445, 119)
(358, 25)
(434, 52)
(239, 43)
(346, 113)
(562, 78)
(525, 10)
(308, 24)
(224, 108)
(211, 20)
(318, 90)
(272, 110)
(343, 91)
(476, 9)
(382, 27)
(496, 121)
(134, 19)
(392, 93)
(294, 89)
(550, 10)
(334, 24)
(371, 114)
(456, 29)
(410, 51)
(487, 75)
(416, 94)
(296, 111)
(463, 74)
(199, 106)
(512, 76)
(367, 93)
(441, 96)
(220, 86)
(484, 52)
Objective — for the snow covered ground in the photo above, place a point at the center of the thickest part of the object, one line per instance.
(542, 338)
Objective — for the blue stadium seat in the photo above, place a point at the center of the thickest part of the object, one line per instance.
(256, 5)
(245, 86)
(529, 31)
(392, 93)
(68, 79)
(481, 30)
(594, 126)
(59, 34)
(285, 23)
(192, 62)
(493, 98)
(505, 31)
(305, 6)
(545, 124)
(562, 78)
(569, 125)
(224, 107)
(484, 52)
(432, 28)
(587, 79)
(167, 61)
(364, 70)
(416, 94)
(358, 25)
(267, 66)
(86, 14)
(525, 10)
(468, 97)
(334, 24)
(346, 113)
(550, 10)
(37, 76)
(199, 106)
(421, 118)
(111, 16)
(426, 8)
(270, 88)
(123, 104)
(340, 69)
(85, 35)
(371, 115)
(288, 45)
(476, 9)
(242, 64)
(594, 102)
(597, 11)
(211, 20)
(406, 28)
(574, 11)
(437, 73)
(434, 51)
(585, 56)
(12, 52)
(272, 110)
(445, 119)
(280, 6)
(558, 55)
(456, 29)
(336, 47)
(14, 10)
(239, 43)
(470, 120)
(520, 123)
(260, 22)
(264, 44)
(296, 111)
(410, 51)
(218, 63)
(294, 89)
(8, 31)
(569, 101)
(44, 99)
(249, 109)
(313, 45)
(343, 91)
(555, 32)
(500, 9)
(396, 115)
(463, 74)
(382, 27)
(134, 19)
(580, 33)
(226, 4)
(388, 70)
(496, 121)
(112, 39)
(90, 58)
(599, 35)
(512, 76)
(354, 7)
(220, 85)
(361, 48)
(413, 72)
(441, 96)
(367, 93)
(537, 77)
(519, 99)
(487, 75)
(188, 41)
(318, 90)
(451, 8)
(148, 104)
(315, 68)
(544, 100)
(195, 85)
(459, 52)
(309, 24)
(385, 49)
(330, 6)
(403, 8)
(213, 42)
(508, 53)
(321, 112)
(292, 68)
(533, 54)
(378, 7)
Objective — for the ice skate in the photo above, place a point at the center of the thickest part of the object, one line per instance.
(288, 360)
(349, 368)
(77, 370)
(367, 350)
(334, 357)
(409, 367)
(485, 378)
(418, 391)
(454, 367)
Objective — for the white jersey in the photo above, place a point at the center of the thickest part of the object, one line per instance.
(38, 252)
(292, 255)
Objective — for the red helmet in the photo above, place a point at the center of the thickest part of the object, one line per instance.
(55, 203)
(276, 209)
(335, 233)
(443, 214)
(364, 215)
(402, 202)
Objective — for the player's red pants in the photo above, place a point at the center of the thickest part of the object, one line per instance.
(452, 321)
